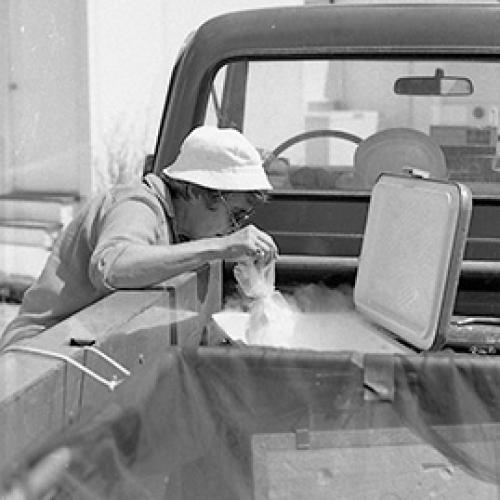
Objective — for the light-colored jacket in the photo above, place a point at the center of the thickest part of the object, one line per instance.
(80, 269)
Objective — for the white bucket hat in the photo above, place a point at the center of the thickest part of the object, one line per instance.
(221, 159)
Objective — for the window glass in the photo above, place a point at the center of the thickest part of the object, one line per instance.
(336, 124)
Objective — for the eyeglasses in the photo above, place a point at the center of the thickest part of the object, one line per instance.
(237, 217)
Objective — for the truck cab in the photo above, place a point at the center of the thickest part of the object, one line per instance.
(333, 96)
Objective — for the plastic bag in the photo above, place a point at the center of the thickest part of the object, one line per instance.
(272, 318)
(255, 278)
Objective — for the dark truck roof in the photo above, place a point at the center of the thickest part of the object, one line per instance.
(418, 27)
(375, 30)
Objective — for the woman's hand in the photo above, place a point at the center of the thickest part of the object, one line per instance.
(248, 242)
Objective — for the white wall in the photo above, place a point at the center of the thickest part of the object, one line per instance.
(5, 179)
(132, 49)
(45, 71)
(133, 46)
(127, 69)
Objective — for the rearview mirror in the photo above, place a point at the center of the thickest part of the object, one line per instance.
(434, 85)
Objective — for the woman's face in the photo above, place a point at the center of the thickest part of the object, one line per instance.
(195, 220)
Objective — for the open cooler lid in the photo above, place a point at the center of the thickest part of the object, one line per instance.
(411, 256)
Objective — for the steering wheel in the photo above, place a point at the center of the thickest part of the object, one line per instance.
(313, 134)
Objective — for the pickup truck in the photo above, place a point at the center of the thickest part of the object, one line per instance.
(332, 96)
(308, 85)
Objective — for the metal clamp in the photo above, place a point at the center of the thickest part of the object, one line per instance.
(110, 384)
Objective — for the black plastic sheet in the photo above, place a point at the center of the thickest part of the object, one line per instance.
(255, 423)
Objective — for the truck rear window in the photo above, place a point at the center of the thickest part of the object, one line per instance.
(336, 124)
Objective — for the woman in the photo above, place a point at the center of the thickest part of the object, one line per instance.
(139, 235)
